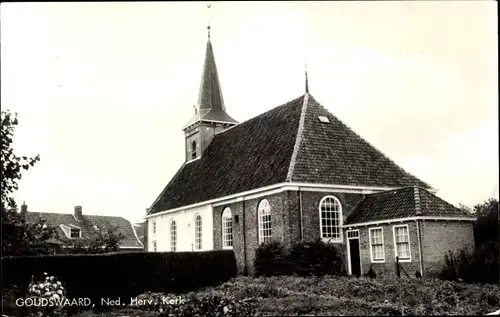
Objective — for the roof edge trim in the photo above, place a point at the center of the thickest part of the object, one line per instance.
(268, 188)
(298, 138)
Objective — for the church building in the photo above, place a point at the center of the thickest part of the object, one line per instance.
(294, 173)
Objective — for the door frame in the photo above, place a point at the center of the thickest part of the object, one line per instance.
(355, 236)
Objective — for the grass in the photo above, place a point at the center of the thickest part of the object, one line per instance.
(346, 296)
(328, 296)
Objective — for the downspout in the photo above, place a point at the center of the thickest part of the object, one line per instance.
(244, 231)
(301, 218)
(420, 249)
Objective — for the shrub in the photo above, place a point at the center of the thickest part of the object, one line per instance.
(448, 273)
(482, 265)
(315, 258)
(124, 275)
(208, 303)
(271, 259)
(47, 288)
(371, 273)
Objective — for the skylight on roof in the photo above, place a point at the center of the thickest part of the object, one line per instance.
(323, 119)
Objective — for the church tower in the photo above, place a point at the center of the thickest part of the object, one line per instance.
(210, 114)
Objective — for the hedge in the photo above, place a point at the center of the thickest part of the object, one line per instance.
(303, 258)
(123, 274)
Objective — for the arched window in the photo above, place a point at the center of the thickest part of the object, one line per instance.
(227, 229)
(197, 233)
(173, 236)
(330, 218)
(264, 211)
(193, 149)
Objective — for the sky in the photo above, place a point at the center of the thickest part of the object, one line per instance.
(102, 90)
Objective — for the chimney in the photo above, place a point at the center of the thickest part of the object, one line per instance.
(78, 213)
(24, 210)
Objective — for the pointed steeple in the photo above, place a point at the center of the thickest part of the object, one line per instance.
(210, 105)
(210, 95)
(210, 116)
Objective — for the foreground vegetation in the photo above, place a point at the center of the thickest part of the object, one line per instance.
(328, 295)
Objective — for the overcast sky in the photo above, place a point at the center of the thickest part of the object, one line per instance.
(103, 89)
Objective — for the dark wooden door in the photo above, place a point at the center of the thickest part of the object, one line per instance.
(355, 261)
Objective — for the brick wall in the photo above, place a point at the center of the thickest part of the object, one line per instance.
(440, 236)
(310, 210)
(238, 242)
(286, 224)
(245, 233)
(388, 267)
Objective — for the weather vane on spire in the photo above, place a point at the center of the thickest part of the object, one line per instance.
(208, 18)
(307, 79)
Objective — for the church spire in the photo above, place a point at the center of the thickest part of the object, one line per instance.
(210, 100)
(210, 106)
(210, 95)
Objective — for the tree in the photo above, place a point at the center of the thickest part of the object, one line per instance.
(12, 165)
(18, 235)
(483, 263)
(487, 225)
(104, 240)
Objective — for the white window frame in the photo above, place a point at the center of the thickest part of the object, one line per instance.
(173, 236)
(196, 246)
(67, 230)
(372, 259)
(340, 238)
(227, 228)
(79, 233)
(395, 245)
(264, 209)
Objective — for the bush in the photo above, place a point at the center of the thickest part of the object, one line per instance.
(124, 275)
(481, 266)
(304, 259)
(315, 258)
(371, 273)
(271, 259)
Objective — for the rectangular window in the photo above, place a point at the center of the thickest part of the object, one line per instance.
(154, 246)
(402, 243)
(197, 233)
(376, 236)
(173, 236)
(154, 227)
(74, 233)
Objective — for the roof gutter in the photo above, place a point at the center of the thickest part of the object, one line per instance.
(423, 218)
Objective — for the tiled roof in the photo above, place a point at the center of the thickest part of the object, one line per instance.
(252, 154)
(331, 153)
(259, 152)
(401, 203)
(87, 225)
